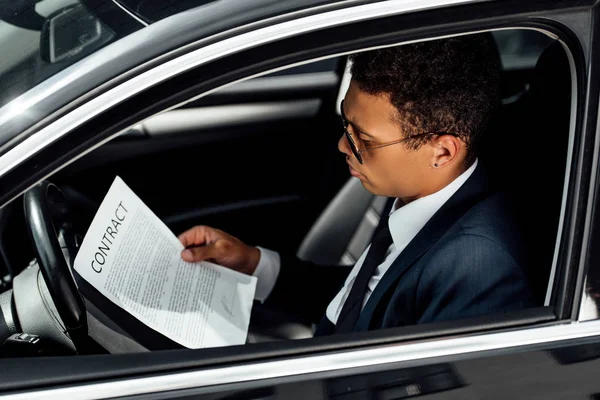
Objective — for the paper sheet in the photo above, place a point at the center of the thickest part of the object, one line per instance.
(132, 258)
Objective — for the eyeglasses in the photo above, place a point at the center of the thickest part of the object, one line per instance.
(358, 153)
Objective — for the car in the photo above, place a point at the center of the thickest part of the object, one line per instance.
(226, 113)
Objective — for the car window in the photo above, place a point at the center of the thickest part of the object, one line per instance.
(41, 38)
(240, 128)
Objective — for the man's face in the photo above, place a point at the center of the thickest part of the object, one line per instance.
(395, 170)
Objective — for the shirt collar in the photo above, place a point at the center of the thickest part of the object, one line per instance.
(407, 220)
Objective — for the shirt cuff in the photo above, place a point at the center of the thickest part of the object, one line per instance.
(266, 273)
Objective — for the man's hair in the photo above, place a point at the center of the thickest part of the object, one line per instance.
(444, 85)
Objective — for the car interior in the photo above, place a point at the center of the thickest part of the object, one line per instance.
(259, 159)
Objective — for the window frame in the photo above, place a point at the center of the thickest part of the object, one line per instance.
(588, 276)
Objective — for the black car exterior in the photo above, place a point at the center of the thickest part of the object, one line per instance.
(550, 352)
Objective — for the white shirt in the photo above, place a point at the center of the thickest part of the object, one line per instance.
(404, 223)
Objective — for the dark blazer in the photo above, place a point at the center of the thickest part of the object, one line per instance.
(467, 261)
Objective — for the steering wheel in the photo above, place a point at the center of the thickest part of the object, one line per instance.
(46, 209)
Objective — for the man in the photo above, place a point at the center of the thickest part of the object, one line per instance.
(413, 118)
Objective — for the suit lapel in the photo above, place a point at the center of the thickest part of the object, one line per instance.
(470, 193)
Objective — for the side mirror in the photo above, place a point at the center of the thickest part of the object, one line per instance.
(72, 32)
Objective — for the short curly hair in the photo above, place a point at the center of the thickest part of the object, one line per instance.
(444, 85)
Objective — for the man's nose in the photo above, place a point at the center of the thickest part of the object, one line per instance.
(343, 145)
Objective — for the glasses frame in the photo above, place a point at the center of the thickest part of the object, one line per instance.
(358, 153)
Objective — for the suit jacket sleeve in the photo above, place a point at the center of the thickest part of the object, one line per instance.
(304, 288)
(471, 276)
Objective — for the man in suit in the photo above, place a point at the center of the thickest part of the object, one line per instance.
(449, 246)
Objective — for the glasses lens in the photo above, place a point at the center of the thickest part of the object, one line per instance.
(348, 136)
(352, 145)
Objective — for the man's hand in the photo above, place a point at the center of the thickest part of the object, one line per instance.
(204, 243)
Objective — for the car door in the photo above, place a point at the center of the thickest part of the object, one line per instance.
(495, 356)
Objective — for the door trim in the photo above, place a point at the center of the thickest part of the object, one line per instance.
(216, 117)
(324, 363)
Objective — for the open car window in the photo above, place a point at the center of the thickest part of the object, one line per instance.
(258, 211)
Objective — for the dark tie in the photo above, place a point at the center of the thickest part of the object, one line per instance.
(353, 305)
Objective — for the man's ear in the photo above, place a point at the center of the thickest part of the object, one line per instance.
(446, 150)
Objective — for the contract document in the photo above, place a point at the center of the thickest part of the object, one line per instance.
(132, 258)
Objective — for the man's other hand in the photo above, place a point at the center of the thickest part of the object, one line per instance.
(203, 243)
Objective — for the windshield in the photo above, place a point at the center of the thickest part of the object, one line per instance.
(40, 38)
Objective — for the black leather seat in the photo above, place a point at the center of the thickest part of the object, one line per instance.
(527, 150)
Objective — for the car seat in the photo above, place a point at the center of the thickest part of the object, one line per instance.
(537, 136)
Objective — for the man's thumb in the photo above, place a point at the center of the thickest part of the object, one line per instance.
(196, 254)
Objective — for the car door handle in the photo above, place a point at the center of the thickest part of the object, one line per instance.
(422, 385)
